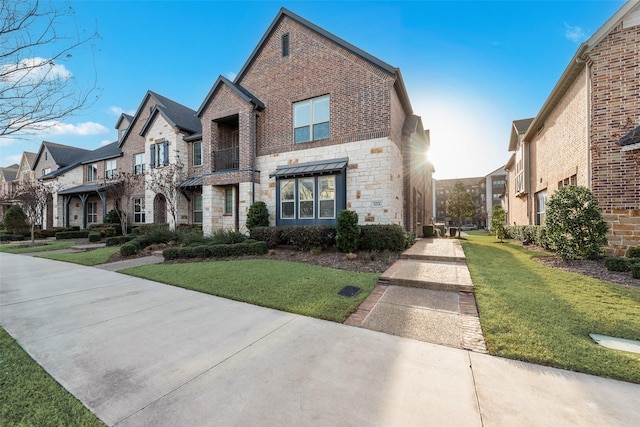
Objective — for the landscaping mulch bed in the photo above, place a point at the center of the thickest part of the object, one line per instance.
(329, 258)
(591, 268)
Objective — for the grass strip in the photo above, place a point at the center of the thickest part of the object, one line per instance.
(53, 246)
(92, 257)
(288, 286)
(31, 397)
(538, 314)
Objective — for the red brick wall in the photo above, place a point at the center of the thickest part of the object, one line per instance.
(615, 110)
(361, 93)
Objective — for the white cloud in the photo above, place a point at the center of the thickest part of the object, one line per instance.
(105, 142)
(6, 141)
(31, 69)
(10, 160)
(574, 33)
(80, 129)
(116, 111)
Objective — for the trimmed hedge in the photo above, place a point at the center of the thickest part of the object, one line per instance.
(270, 235)
(306, 237)
(94, 236)
(379, 237)
(635, 270)
(118, 240)
(5, 237)
(633, 252)
(216, 251)
(616, 264)
(129, 249)
(528, 234)
(76, 234)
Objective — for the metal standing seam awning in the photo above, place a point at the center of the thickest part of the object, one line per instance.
(83, 191)
(322, 167)
(195, 181)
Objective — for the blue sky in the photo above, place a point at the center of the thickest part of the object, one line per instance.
(470, 68)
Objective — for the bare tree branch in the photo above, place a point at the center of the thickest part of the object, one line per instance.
(36, 89)
(32, 197)
(121, 188)
(167, 181)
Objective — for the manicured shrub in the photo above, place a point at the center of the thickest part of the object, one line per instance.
(75, 234)
(635, 270)
(380, 237)
(498, 219)
(633, 252)
(15, 219)
(348, 231)
(228, 237)
(575, 228)
(270, 235)
(258, 215)
(112, 217)
(94, 236)
(159, 234)
(128, 249)
(171, 253)
(200, 252)
(410, 239)
(428, 230)
(118, 240)
(305, 237)
(616, 264)
(258, 248)
(11, 237)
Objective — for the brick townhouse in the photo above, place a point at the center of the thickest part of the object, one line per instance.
(311, 125)
(586, 134)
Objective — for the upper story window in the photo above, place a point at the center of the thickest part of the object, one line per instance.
(311, 119)
(520, 172)
(285, 45)
(159, 154)
(92, 172)
(110, 169)
(138, 164)
(46, 171)
(197, 153)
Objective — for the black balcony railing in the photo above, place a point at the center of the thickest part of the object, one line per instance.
(227, 159)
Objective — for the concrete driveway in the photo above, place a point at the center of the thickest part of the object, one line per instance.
(139, 353)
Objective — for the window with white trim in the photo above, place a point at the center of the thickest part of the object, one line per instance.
(541, 206)
(138, 164)
(311, 119)
(92, 212)
(138, 210)
(92, 172)
(110, 169)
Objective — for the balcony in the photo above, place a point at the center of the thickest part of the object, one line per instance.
(227, 159)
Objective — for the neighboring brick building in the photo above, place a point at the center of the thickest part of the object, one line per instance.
(475, 186)
(583, 134)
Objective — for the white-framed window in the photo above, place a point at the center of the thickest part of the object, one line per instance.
(110, 169)
(288, 198)
(197, 153)
(228, 201)
(197, 208)
(327, 197)
(92, 172)
(138, 210)
(159, 154)
(541, 206)
(520, 177)
(138, 164)
(311, 119)
(308, 198)
(92, 212)
(46, 171)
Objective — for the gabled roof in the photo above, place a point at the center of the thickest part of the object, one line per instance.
(27, 160)
(239, 90)
(62, 155)
(122, 117)
(518, 127)
(108, 151)
(9, 173)
(399, 84)
(180, 116)
(576, 65)
(177, 115)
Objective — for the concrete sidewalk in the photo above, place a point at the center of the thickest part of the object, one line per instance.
(427, 295)
(139, 353)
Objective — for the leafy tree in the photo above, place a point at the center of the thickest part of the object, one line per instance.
(498, 219)
(15, 219)
(258, 215)
(36, 89)
(460, 204)
(575, 228)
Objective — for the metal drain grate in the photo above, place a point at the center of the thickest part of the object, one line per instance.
(349, 291)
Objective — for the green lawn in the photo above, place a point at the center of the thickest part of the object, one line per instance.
(93, 257)
(542, 315)
(49, 246)
(30, 397)
(288, 286)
